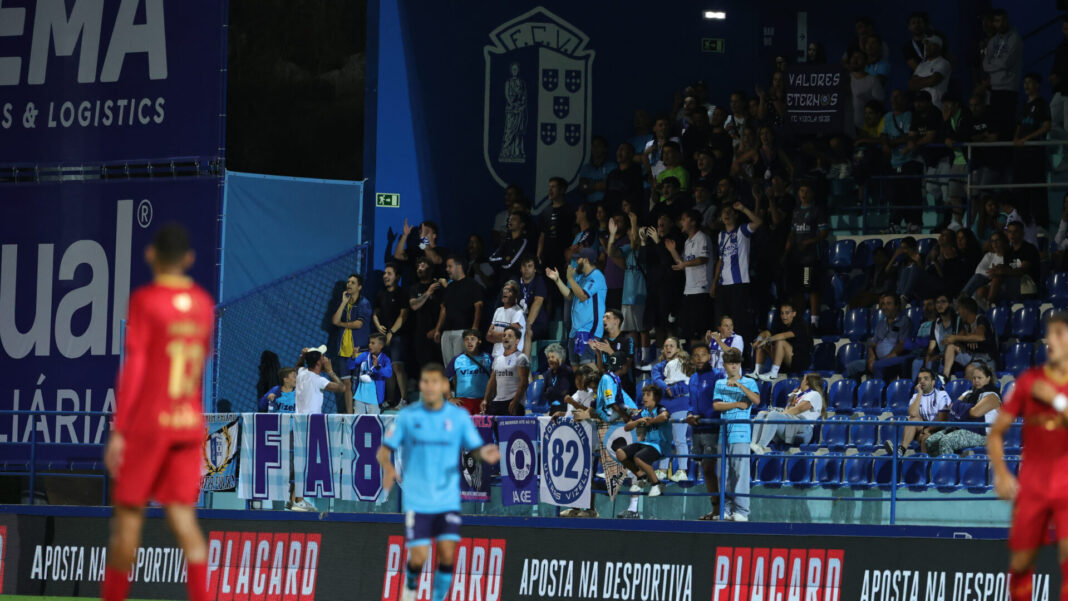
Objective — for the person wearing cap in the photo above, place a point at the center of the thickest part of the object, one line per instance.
(311, 382)
(587, 284)
(932, 75)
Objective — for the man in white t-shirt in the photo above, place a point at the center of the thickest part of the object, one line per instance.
(311, 383)
(696, 311)
(506, 391)
(932, 74)
(925, 406)
(508, 314)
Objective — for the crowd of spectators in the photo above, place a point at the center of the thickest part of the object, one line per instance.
(701, 245)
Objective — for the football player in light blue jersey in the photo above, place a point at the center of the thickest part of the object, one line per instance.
(430, 437)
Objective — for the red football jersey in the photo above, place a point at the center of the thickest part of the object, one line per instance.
(1045, 436)
(168, 337)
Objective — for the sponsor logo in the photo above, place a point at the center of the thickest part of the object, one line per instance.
(764, 573)
(272, 566)
(80, 563)
(478, 565)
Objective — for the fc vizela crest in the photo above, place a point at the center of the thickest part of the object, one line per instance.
(537, 107)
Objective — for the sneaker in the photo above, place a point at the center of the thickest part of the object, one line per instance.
(306, 504)
(635, 488)
(680, 476)
(754, 375)
(656, 490)
(300, 506)
(661, 475)
(629, 515)
(738, 517)
(889, 446)
(767, 377)
(588, 513)
(759, 450)
(570, 512)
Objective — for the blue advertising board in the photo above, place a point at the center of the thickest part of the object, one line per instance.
(70, 253)
(106, 80)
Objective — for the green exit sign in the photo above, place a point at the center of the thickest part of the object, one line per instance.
(389, 201)
(716, 45)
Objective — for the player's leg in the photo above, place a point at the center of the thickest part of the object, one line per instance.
(417, 534)
(126, 524)
(447, 532)
(1030, 522)
(182, 520)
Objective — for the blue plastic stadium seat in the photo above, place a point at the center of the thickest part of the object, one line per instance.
(892, 245)
(781, 389)
(955, 388)
(862, 435)
(841, 255)
(1014, 435)
(899, 395)
(914, 470)
(768, 470)
(915, 315)
(999, 317)
(863, 257)
(1017, 357)
(799, 469)
(882, 471)
(834, 434)
(1024, 323)
(870, 395)
(856, 470)
(841, 395)
(945, 473)
(855, 324)
(924, 245)
(850, 351)
(765, 394)
(827, 469)
(772, 312)
(1013, 463)
(535, 402)
(1040, 353)
(823, 358)
(833, 290)
(1006, 390)
(1057, 287)
(974, 473)
(891, 430)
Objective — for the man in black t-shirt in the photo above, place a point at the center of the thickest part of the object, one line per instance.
(1022, 259)
(461, 310)
(615, 351)
(788, 344)
(425, 302)
(417, 242)
(976, 340)
(1029, 162)
(809, 228)
(391, 319)
(556, 224)
(625, 182)
(926, 128)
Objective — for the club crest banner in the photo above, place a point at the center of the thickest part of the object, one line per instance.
(221, 451)
(519, 470)
(566, 462)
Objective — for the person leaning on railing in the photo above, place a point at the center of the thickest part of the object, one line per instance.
(979, 405)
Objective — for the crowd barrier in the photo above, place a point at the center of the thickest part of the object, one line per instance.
(262, 556)
(546, 461)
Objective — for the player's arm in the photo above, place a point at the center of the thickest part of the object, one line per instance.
(1004, 482)
(131, 379)
(520, 400)
(491, 389)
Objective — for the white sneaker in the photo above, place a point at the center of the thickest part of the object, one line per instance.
(635, 488)
(737, 517)
(661, 475)
(646, 367)
(759, 450)
(754, 375)
(306, 505)
(656, 490)
(767, 377)
(680, 476)
(570, 512)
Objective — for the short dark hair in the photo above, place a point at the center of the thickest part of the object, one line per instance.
(628, 145)
(892, 296)
(284, 372)
(732, 355)
(926, 370)
(391, 265)
(695, 216)
(311, 358)
(787, 303)
(472, 332)
(559, 180)
(1033, 76)
(459, 262)
(999, 12)
(171, 243)
(705, 151)
(601, 139)
(378, 336)
(654, 390)
(673, 145)
(876, 106)
(514, 330)
(724, 316)
(967, 302)
(434, 368)
(671, 180)
(1014, 224)
(432, 225)
(359, 278)
(615, 313)
(424, 259)
(527, 258)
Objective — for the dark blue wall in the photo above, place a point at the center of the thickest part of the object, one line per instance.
(428, 94)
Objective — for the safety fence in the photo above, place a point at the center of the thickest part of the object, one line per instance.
(548, 461)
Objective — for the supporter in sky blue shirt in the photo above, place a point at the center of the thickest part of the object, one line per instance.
(586, 283)
(470, 372)
(281, 398)
(613, 402)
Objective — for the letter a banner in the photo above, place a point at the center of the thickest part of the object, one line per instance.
(566, 462)
(519, 478)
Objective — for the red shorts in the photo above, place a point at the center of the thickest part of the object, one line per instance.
(166, 472)
(1032, 514)
(473, 406)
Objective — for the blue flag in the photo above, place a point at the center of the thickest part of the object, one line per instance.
(475, 475)
(519, 437)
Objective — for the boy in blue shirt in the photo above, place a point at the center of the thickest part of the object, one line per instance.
(282, 398)
(430, 436)
(640, 456)
(373, 370)
(470, 372)
(734, 396)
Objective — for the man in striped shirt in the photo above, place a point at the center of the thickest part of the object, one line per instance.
(730, 283)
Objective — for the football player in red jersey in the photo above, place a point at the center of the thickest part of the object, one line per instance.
(155, 447)
(1040, 494)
